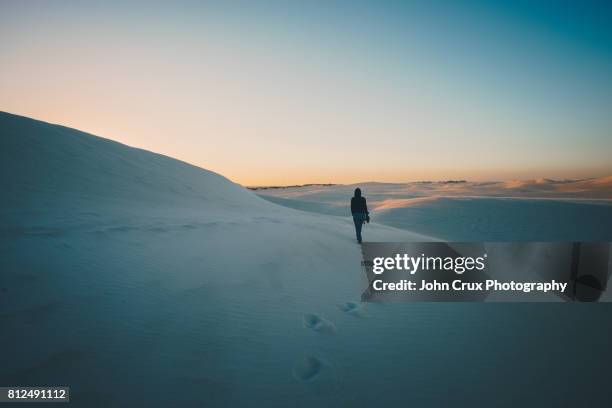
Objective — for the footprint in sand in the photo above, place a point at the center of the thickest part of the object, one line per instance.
(352, 308)
(307, 369)
(319, 324)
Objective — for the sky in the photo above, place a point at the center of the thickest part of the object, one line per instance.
(277, 93)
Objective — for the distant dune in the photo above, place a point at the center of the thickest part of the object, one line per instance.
(526, 210)
(588, 188)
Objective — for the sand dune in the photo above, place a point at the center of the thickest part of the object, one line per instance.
(142, 280)
(589, 189)
(527, 210)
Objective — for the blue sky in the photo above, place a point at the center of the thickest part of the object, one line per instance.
(297, 92)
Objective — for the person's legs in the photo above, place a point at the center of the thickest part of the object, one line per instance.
(358, 220)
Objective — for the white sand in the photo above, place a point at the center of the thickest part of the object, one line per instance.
(140, 280)
(124, 271)
(532, 210)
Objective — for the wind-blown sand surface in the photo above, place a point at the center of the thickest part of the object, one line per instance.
(140, 280)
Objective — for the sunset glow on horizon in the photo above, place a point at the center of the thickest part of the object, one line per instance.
(322, 92)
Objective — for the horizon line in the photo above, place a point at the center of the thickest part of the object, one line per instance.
(328, 183)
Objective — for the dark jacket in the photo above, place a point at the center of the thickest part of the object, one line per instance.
(358, 205)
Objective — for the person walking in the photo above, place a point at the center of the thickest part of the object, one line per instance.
(359, 209)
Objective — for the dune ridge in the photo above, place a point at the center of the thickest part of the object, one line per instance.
(144, 271)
